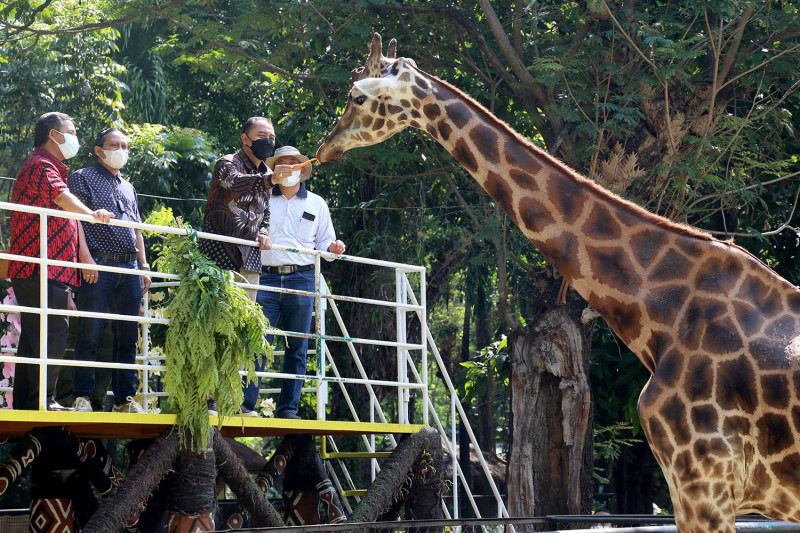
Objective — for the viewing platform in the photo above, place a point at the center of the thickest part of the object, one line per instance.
(377, 387)
(105, 425)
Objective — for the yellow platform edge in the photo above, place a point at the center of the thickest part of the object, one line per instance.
(134, 425)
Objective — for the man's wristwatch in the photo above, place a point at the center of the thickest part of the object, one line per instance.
(144, 266)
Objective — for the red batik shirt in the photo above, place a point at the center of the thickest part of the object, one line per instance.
(39, 182)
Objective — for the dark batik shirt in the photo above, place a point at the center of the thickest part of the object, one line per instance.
(98, 188)
(39, 182)
(238, 206)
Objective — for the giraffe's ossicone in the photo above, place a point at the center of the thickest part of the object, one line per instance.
(718, 330)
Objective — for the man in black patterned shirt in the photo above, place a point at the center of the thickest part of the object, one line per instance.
(238, 203)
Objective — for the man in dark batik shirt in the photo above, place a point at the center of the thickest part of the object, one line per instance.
(238, 203)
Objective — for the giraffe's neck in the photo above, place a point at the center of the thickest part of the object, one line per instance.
(630, 265)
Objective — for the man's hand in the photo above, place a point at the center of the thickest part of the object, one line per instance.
(89, 275)
(336, 247)
(281, 172)
(264, 242)
(101, 215)
(146, 282)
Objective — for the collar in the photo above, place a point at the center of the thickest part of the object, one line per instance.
(302, 193)
(105, 172)
(41, 151)
(249, 165)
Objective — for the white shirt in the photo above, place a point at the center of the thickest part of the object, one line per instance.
(304, 221)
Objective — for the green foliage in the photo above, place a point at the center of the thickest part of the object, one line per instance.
(608, 444)
(171, 162)
(491, 361)
(214, 330)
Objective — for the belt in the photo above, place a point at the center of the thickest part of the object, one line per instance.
(285, 269)
(117, 258)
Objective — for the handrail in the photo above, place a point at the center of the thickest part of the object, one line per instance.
(409, 354)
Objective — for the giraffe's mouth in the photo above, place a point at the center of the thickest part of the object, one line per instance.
(327, 153)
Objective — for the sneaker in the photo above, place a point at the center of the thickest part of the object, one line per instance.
(212, 407)
(53, 405)
(249, 413)
(131, 406)
(288, 415)
(82, 405)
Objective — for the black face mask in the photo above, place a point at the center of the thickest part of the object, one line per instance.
(262, 148)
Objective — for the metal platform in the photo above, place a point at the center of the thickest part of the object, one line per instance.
(136, 426)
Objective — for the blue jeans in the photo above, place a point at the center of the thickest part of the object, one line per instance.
(120, 294)
(290, 312)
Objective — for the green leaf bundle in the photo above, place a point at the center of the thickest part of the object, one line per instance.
(215, 329)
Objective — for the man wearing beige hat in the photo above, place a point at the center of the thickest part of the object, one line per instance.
(300, 219)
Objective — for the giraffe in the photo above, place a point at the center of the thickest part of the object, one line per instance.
(717, 329)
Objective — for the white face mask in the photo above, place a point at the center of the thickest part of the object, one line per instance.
(116, 158)
(70, 145)
(292, 179)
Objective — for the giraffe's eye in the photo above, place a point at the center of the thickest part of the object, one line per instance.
(360, 99)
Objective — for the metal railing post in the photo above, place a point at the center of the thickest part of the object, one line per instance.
(43, 303)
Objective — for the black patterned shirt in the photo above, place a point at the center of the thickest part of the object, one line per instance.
(237, 206)
(98, 188)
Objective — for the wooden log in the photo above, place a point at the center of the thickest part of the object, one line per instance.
(125, 500)
(395, 472)
(250, 497)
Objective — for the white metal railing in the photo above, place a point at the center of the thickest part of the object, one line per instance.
(411, 357)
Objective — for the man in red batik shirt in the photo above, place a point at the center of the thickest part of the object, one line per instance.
(42, 182)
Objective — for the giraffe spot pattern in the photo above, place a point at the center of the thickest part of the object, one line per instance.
(614, 266)
(704, 419)
(524, 180)
(736, 386)
(699, 387)
(394, 109)
(673, 266)
(625, 318)
(432, 130)
(670, 368)
(419, 93)
(722, 337)
(775, 434)
(463, 153)
(444, 130)
(755, 292)
(498, 189)
(431, 111)
(560, 252)
(534, 215)
(601, 224)
(567, 195)
(718, 276)
(664, 303)
(776, 391)
(485, 139)
(459, 114)
(646, 246)
(748, 317)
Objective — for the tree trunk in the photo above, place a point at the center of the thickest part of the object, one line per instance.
(247, 491)
(396, 471)
(550, 463)
(485, 429)
(124, 501)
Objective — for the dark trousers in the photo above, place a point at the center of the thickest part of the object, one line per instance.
(121, 294)
(26, 376)
(293, 313)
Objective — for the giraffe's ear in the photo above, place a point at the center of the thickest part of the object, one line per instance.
(374, 87)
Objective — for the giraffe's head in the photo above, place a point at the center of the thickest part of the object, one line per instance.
(383, 100)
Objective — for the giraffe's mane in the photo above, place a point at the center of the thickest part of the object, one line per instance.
(581, 180)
